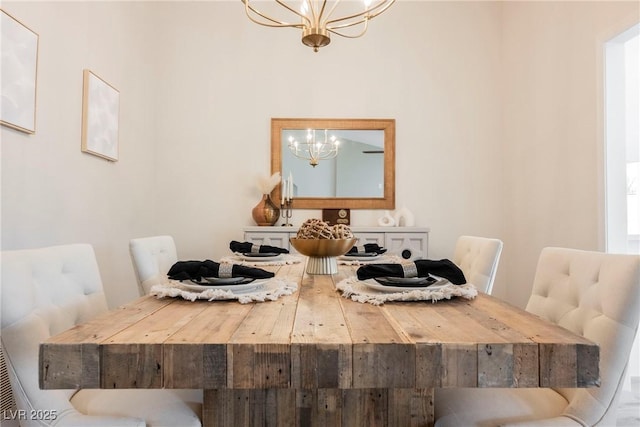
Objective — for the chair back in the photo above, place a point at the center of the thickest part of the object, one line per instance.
(596, 295)
(478, 259)
(152, 258)
(44, 291)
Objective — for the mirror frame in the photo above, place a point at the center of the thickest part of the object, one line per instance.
(388, 201)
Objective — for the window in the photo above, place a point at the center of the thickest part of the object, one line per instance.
(622, 141)
(622, 152)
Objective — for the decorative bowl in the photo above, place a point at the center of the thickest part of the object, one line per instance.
(322, 253)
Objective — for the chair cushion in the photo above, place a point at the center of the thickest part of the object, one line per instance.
(152, 258)
(595, 295)
(46, 291)
(478, 259)
(477, 407)
(160, 408)
(62, 283)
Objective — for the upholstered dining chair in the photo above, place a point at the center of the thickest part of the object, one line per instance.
(592, 294)
(152, 258)
(46, 291)
(478, 259)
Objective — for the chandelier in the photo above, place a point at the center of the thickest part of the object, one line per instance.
(313, 149)
(317, 18)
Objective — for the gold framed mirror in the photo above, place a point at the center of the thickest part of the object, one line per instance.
(360, 174)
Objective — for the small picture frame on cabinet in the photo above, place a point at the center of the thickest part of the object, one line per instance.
(336, 216)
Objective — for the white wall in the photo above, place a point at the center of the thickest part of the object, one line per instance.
(553, 132)
(52, 193)
(492, 138)
(225, 78)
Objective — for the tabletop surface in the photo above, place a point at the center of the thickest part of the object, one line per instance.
(315, 338)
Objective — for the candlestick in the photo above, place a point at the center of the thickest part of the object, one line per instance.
(290, 186)
(282, 187)
(287, 212)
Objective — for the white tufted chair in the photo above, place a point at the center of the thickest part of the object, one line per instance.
(46, 291)
(152, 258)
(593, 294)
(478, 259)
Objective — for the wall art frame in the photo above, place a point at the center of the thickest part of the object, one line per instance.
(19, 52)
(100, 117)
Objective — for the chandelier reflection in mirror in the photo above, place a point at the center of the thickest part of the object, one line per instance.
(313, 149)
(317, 18)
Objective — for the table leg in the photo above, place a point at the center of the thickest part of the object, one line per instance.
(320, 407)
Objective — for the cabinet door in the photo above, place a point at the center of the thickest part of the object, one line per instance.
(280, 240)
(407, 245)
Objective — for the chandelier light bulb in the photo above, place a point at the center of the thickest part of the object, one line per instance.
(318, 19)
(314, 149)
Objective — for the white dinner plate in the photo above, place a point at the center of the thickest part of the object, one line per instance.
(414, 281)
(227, 280)
(254, 284)
(260, 254)
(262, 258)
(360, 257)
(386, 288)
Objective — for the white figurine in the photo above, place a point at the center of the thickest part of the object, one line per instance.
(386, 220)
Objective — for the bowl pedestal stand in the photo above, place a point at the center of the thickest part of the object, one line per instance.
(322, 265)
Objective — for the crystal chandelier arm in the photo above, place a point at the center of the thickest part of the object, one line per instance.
(335, 4)
(289, 8)
(365, 14)
(315, 18)
(351, 36)
(249, 9)
(314, 150)
(318, 18)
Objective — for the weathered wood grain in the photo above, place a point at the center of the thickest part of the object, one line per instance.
(321, 355)
(315, 358)
(202, 347)
(72, 359)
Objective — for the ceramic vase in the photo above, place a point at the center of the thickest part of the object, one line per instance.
(404, 218)
(387, 220)
(265, 212)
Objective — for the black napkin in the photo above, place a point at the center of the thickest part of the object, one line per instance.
(367, 248)
(442, 268)
(196, 270)
(245, 247)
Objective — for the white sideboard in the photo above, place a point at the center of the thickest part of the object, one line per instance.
(407, 242)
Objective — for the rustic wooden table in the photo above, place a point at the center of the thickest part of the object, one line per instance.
(315, 358)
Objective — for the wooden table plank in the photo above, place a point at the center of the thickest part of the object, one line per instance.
(259, 353)
(203, 346)
(320, 342)
(72, 358)
(382, 357)
(558, 362)
(133, 358)
(525, 323)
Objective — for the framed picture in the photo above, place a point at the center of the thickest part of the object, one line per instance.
(19, 49)
(100, 109)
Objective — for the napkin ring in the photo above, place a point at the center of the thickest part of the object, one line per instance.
(409, 269)
(225, 271)
(255, 249)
